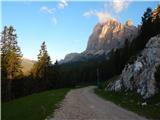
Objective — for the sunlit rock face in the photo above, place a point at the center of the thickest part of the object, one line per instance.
(129, 23)
(111, 34)
(140, 75)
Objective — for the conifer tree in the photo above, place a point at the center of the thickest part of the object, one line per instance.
(10, 56)
(146, 15)
(155, 20)
(41, 66)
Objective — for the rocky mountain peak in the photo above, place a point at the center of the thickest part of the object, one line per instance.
(106, 36)
(97, 27)
(111, 34)
(129, 23)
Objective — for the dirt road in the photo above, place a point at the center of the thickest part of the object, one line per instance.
(83, 104)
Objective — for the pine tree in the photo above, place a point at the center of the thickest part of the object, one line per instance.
(40, 68)
(10, 55)
(155, 20)
(146, 15)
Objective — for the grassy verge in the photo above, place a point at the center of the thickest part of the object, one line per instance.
(133, 102)
(33, 107)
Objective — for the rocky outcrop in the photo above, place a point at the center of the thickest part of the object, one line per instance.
(111, 34)
(140, 75)
(129, 23)
(83, 57)
(69, 57)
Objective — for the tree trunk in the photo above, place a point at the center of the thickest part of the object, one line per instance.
(10, 78)
(98, 82)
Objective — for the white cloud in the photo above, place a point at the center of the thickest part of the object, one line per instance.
(101, 15)
(54, 20)
(111, 8)
(51, 11)
(120, 5)
(45, 9)
(89, 13)
(62, 4)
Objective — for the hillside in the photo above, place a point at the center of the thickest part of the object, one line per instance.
(27, 65)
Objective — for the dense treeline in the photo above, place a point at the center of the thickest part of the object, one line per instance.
(14, 84)
(95, 70)
(45, 75)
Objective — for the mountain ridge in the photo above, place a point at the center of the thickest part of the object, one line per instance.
(104, 38)
(27, 65)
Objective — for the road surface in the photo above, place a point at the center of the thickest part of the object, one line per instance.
(84, 104)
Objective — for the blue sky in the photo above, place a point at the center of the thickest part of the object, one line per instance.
(65, 26)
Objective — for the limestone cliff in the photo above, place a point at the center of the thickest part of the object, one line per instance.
(111, 34)
(140, 76)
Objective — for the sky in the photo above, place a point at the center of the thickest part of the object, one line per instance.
(64, 25)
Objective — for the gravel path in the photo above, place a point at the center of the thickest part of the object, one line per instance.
(83, 104)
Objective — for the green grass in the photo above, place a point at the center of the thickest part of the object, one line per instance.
(133, 102)
(33, 107)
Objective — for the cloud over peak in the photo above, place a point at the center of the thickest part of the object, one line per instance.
(110, 11)
(101, 15)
